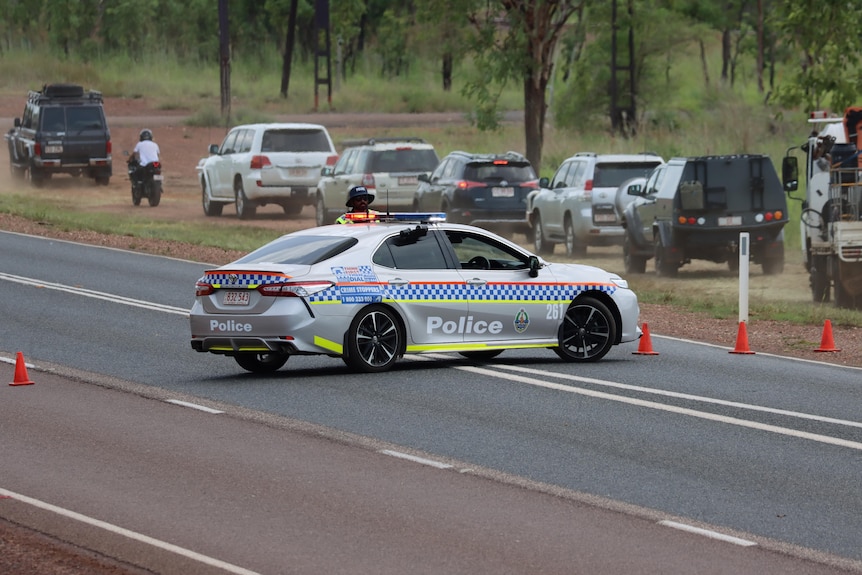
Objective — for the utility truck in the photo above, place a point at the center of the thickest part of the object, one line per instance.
(831, 219)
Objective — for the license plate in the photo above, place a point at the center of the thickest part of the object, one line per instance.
(297, 171)
(53, 149)
(730, 221)
(503, 192)
(235, 298)
(157, 177)
(407, 180)
(605, 218)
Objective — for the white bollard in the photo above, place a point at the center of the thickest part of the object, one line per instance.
(743, 276)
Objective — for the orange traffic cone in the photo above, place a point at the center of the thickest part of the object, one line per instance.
(826, 342)
(21, 377)
(742, 340)
(645, 345)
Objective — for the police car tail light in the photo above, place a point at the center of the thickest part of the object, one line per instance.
(259, 162)
(331, 160)
(368, 181)
(203, 288)
(293, 289)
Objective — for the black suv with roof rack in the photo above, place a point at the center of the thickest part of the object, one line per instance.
(63, 131)
(484, 190)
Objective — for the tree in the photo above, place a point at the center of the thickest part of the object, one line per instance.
(516, 40)
(826, 36)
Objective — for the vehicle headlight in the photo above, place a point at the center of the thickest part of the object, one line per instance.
(619, 282)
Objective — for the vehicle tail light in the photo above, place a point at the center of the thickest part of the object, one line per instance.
(108, 148)
(588, 186)
(533, 184)
(259, 162)
(404, 148)
(368, 180)
(293, 289)
(331, 160)
(203, 288)
(466, 184)
(501, 162)
(37, 149)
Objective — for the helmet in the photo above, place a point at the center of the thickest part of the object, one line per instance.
(146, 135)
(357, 191)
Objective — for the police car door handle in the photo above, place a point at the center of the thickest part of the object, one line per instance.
(476, 282)
(398, 282)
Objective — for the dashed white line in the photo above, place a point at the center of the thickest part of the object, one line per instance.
(708, 533)
(415, 459)
(194, 406)
(129, 534)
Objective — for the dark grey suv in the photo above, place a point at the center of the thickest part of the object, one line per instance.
(485, 190)
(63, 131)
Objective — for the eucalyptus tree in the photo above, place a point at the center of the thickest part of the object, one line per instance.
(826, 39)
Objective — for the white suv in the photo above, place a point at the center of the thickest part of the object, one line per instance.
(259, 164)
(578, 205)
(388, 167)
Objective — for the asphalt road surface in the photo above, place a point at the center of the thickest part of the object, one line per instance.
(524, 464)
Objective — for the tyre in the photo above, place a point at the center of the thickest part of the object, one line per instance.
(154, 194)
(136, 195)
(211, 208)
(818, 278)
(481, 354)
(36, 178)
(291, 208)
(663, 267)
(540, 244)
(261, 362)
(245, 208)
(320, 216)
(588, 331)
(375, 340)
(573, 249)
(633, 264)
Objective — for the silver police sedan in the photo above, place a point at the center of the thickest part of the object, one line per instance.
(386, 285)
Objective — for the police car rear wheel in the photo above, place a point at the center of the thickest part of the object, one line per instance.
(261, 362)
(374, 340)
(588, 331)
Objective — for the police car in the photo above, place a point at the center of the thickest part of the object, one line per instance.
(388, 285)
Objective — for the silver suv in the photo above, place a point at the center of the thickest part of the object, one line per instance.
(260, 164)
(388, 167)
(578, 205)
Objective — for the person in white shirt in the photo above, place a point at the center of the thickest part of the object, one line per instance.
(146, 150)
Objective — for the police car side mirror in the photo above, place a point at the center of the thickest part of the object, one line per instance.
(423, 177)
(17, 122)
(543, 182)
(213, 149)
(534, 266)
(634, 190)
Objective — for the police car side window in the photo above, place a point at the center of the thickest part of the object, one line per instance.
(468, 246)
(416, 253)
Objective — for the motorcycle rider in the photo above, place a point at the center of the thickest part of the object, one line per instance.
(146, 152)
(358, 199)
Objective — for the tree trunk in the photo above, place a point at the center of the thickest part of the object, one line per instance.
(725, 54)
(534, 118)
(447, 72)
(760, 46)
(288, 48)
(703, 63)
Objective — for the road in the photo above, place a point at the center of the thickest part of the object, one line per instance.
(526, 464)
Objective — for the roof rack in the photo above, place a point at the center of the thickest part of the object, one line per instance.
(51, 92)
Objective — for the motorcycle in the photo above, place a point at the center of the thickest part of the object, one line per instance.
(146, 182)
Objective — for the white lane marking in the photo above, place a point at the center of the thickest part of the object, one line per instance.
(708, 533)
(670, 408)
(130, 534)
(193, 406)
(675, 394)
(421, 460)
(95, 294)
